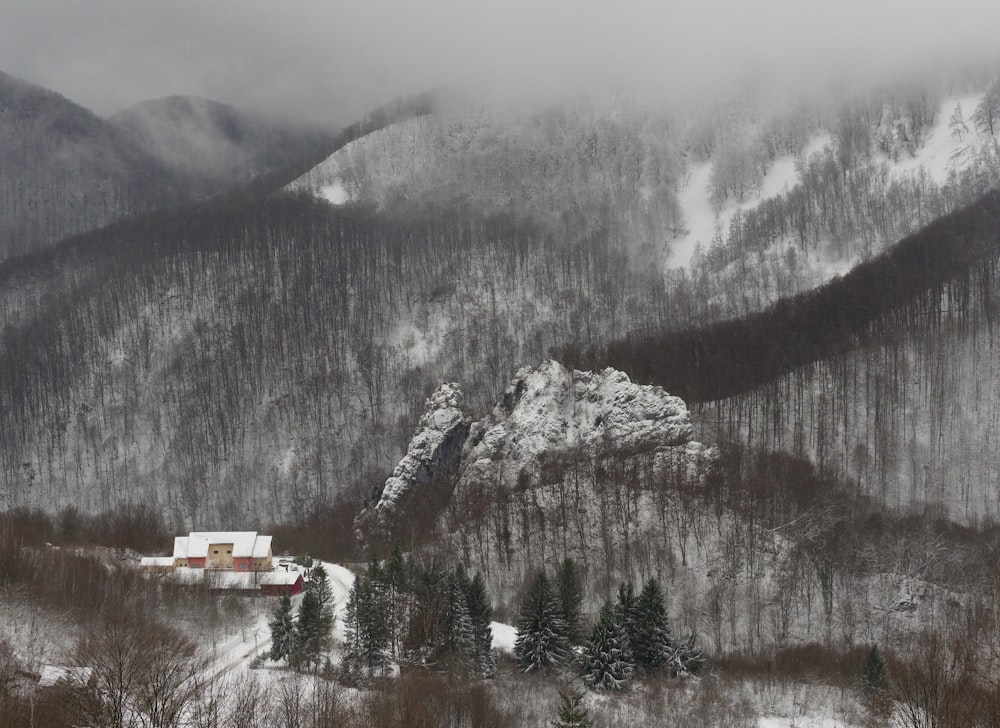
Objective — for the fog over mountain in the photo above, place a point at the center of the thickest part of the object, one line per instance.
(643, 356)
(334, 61)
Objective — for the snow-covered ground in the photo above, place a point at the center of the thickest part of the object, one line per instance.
(504, 637)
(945, 148)
(335, 193)
(700, 219)
(951, 145)
(811, 721)
(237, 651)
(704, 222)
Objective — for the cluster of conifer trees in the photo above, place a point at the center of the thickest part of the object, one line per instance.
(305, 640)
(630, 636)
(417, 613)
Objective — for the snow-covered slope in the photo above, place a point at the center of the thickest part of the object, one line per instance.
(774, 198)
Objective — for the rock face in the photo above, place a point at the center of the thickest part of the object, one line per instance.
(551, 408)
(547, 415)
(431, 460)
(552, 413)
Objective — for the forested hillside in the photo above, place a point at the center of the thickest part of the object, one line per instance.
(886, 376)
(244, 360)
(741, 200)
(250, 358)
(66, 170)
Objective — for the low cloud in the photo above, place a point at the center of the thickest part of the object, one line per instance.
(331, 60)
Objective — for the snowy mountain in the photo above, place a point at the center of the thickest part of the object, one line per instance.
(745, 200)
(214, 146)
(66, 170)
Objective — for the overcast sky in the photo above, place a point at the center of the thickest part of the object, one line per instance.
(332, 60)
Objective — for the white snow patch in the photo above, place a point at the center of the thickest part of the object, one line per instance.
(286, 460)
(781, 176)
(422, 339)
(504, 637)
(817, 144)
(704, 222)
(802, 722)
(943, 151)
(696, 205)
(335, 193)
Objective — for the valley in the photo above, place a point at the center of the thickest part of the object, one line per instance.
(481, 358)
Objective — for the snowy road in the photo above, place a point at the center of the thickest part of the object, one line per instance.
(237, 651)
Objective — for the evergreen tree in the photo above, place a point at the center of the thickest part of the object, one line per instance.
(627, 609)
(873, 680)
(320, 583)
(541, 634)
(366, 632)
(572, 712)
(457, 645)
(652, 643)
(397, 579)
(608, 663)
(430, 596)
(481, 614)
(312, 633)
(396, 569)
(282, 630)
(571, 598)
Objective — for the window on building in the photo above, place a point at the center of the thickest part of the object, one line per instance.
(216, 551)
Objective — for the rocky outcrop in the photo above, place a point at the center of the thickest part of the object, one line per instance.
(423, 478)
(551, 409)
(549, 416)
(588, 465)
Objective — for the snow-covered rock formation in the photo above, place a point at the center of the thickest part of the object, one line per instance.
(551, 413)
(548, 415)
(553, 408)
(431, 460)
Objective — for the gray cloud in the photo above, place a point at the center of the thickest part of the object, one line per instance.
(334, 60)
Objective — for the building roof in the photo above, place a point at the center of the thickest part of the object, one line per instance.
(279, 578)
(261, 547)
(242, 541)
(246, 544)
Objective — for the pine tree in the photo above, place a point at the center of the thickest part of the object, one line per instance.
(430, 592)
(608, 663)
(320, 583)
(481, 614)
(396, 570)
(652, 643)
(312, 631)
(627, 609)
(572, 713)
(457, 647)
(282, 630)
(571, 598)
(873, 681)
(541, 639)
(366, 631)
(397, 581)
